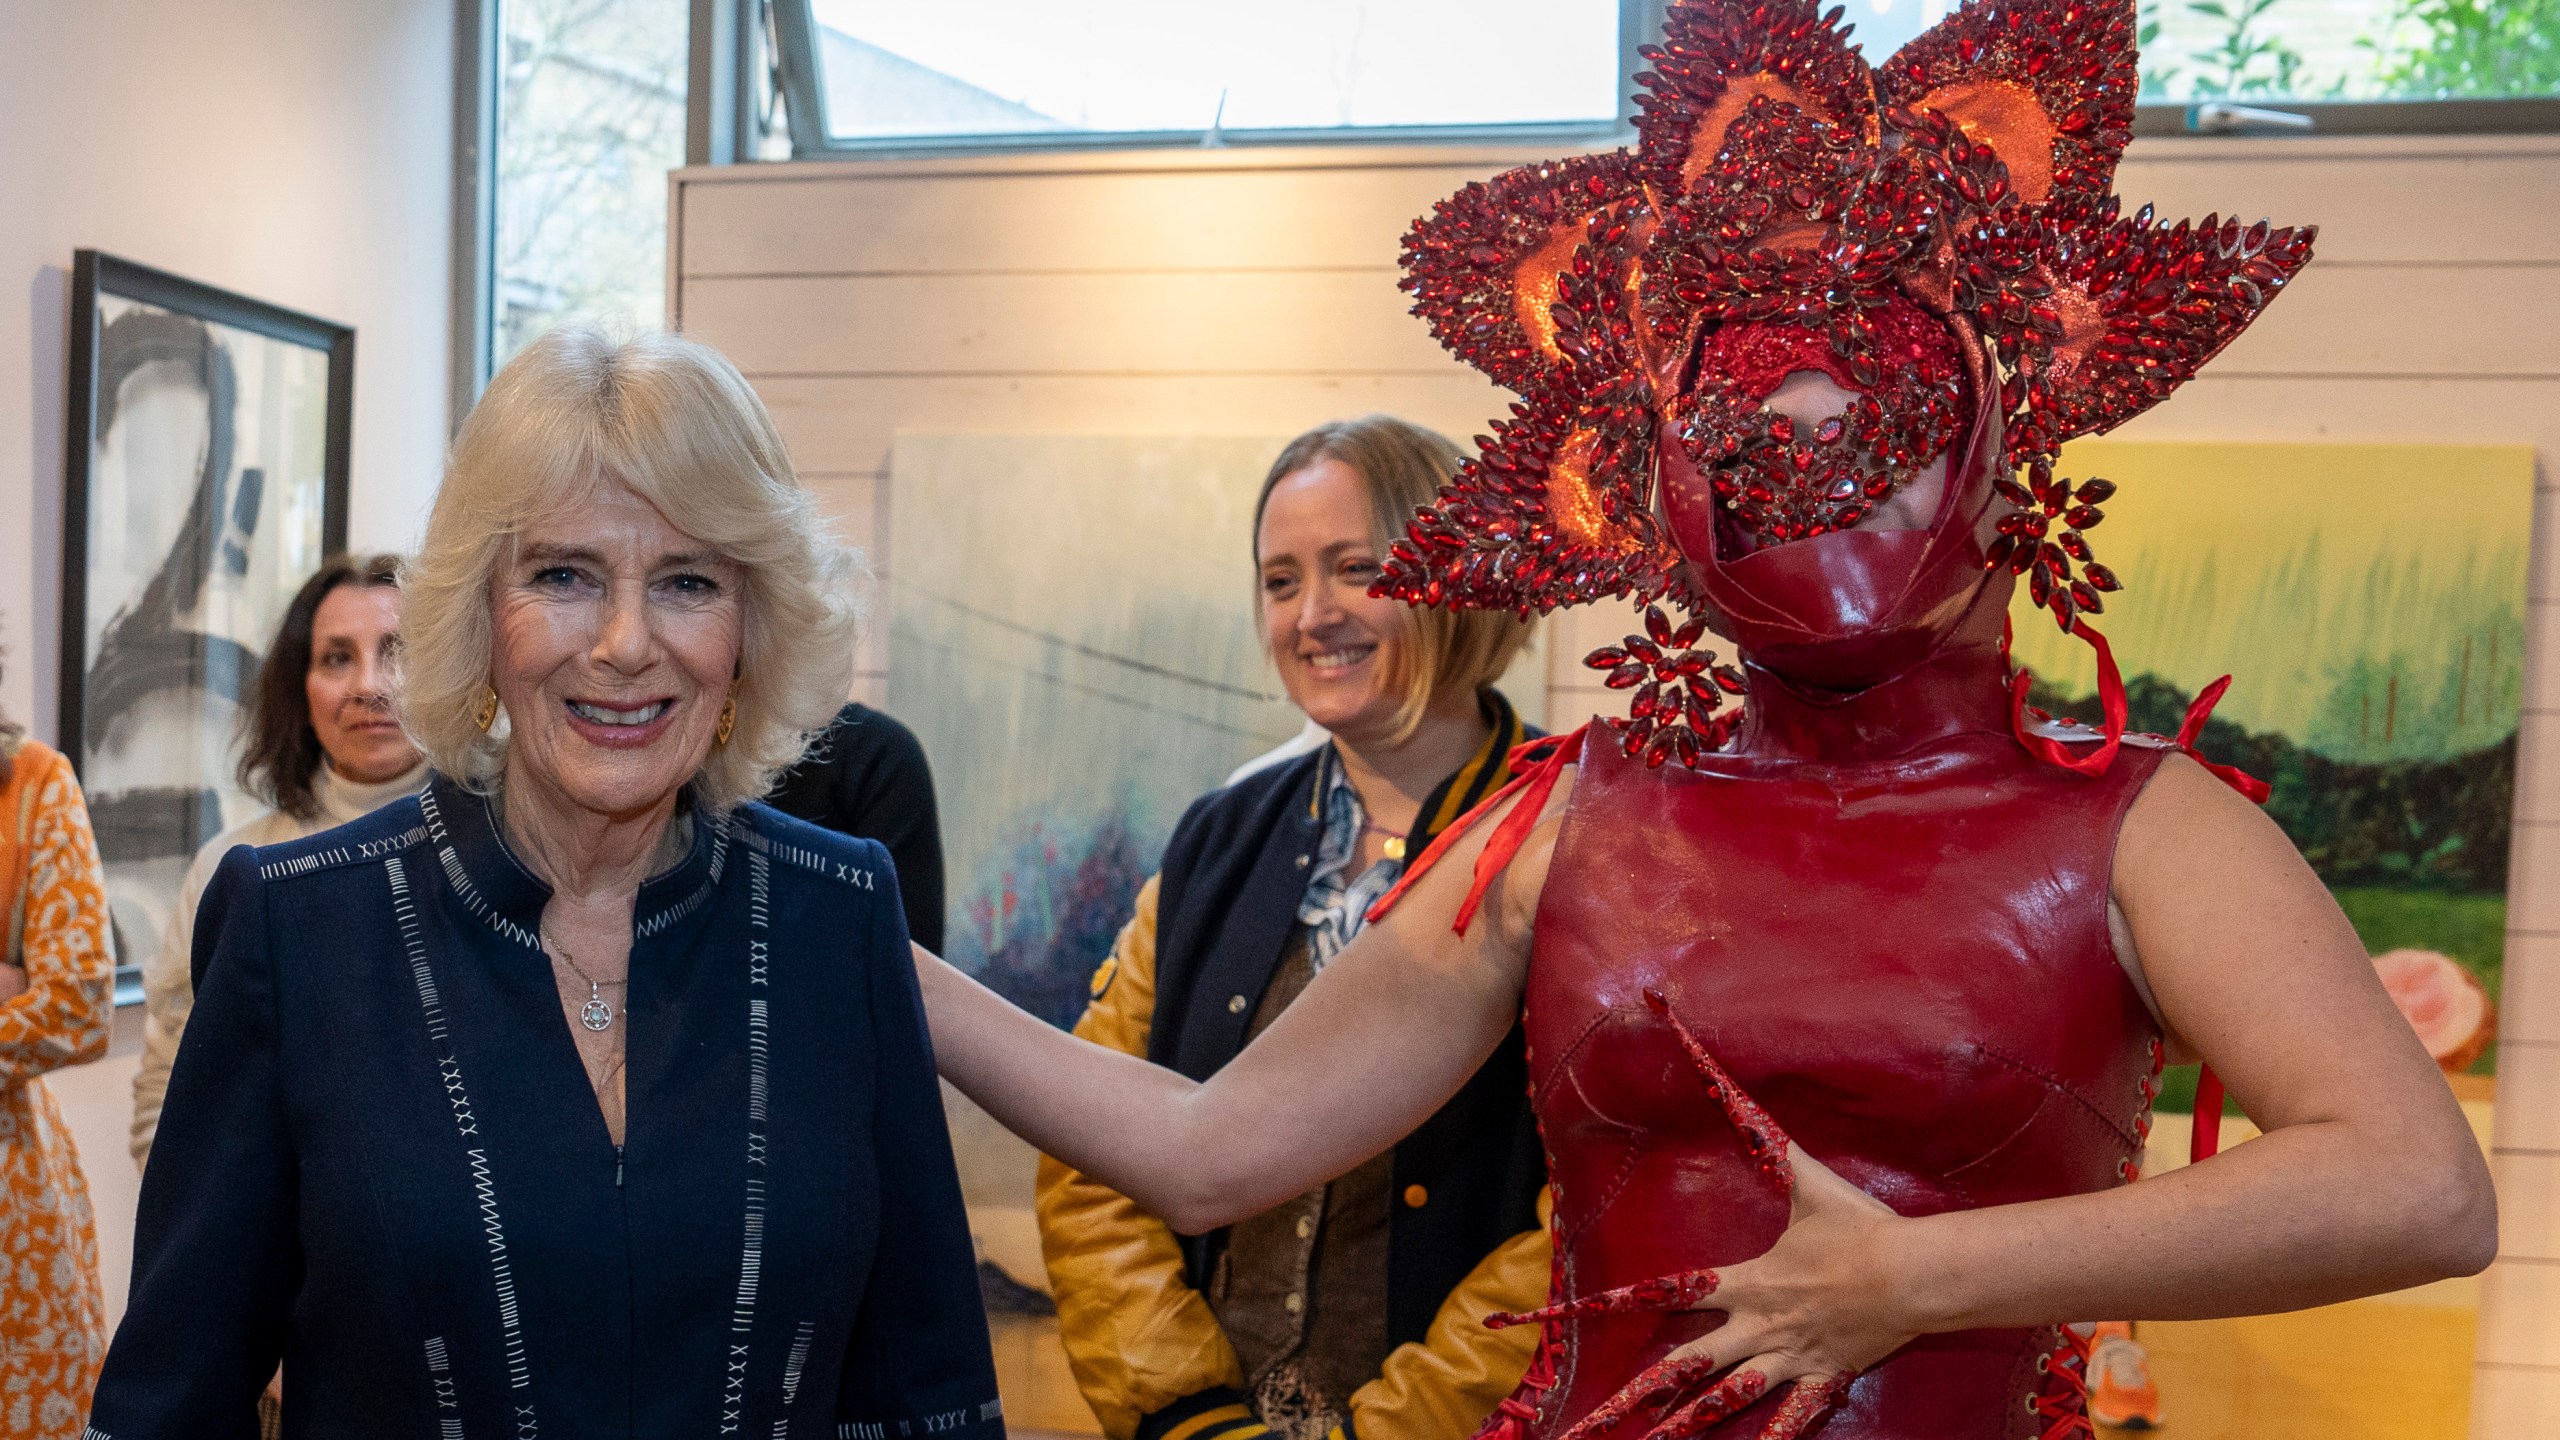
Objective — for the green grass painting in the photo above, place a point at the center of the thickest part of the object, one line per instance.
(2368, 602)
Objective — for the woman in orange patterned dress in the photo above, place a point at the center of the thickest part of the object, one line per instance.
(55, 1010)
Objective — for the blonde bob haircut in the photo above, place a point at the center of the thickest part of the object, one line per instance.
(1401, 467)
(675, 423)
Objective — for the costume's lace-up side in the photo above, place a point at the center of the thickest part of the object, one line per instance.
(2062, 1402)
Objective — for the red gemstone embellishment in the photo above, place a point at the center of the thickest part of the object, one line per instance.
(1679, 691)
(1786, 210)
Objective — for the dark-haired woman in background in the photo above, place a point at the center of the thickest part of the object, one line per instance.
(322, 745)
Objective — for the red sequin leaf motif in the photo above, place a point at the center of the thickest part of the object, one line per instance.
(1674, 1388)
(2048, 84)
(1485, 265)
(1782, 188)
(1716, 58)
(1714, 1405)
(1687, 1290)
(1555, 509)
(1677, 711)
(2148, 305)
(2042, 540)
(1681, 1391)
(1807, 1401)
(1753, 239)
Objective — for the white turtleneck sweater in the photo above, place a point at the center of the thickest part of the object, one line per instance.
(168, 978)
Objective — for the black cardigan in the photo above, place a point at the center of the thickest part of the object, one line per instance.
(1228, 898)
(866, 776)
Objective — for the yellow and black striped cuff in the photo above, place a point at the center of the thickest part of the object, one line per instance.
(1219, 1413)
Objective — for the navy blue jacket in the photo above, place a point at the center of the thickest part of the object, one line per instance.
(381, 1161)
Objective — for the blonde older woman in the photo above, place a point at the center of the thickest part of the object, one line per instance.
(576, 1095)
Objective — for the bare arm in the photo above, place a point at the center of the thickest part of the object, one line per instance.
(1390, 1030)
(2367, 1177)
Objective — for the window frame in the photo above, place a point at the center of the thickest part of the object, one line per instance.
(475, 195)
(795, 32)
(2523, 115)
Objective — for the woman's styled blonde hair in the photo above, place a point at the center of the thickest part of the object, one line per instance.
(1401, 468)
(673, 421)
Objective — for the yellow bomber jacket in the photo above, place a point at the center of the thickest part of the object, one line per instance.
(1141, 1341)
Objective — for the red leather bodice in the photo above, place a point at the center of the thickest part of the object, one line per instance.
(1889, 924)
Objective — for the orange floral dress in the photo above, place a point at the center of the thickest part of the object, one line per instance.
(52, 1311)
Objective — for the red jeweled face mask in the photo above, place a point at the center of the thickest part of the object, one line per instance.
(1935, 234)
(1782, 479)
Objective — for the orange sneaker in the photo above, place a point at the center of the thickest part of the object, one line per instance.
(2121, 1395)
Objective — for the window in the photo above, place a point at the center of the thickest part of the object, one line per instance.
(888, 72)
(2278, 51)
(590, 112)
(2350, 50)
(872, 75)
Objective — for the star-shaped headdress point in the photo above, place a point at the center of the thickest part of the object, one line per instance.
(1789, 208)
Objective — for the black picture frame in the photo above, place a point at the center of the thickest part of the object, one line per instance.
(188, 524)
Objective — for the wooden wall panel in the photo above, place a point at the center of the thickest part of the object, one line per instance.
(844, 423)
(860, 223)
(2333, 319)
(1270, 322)
(2471, 200)
(2436, 201)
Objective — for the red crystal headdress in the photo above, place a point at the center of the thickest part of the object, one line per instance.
(1788, 209)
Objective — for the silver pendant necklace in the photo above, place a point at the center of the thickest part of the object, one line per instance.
(597, 1013)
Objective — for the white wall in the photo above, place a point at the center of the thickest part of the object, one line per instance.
(299, 151)
(1253, 292)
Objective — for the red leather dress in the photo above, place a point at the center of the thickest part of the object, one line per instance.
(1884, 918)
(1897, 944)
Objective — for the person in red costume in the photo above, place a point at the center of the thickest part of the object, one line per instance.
(1845, 1008)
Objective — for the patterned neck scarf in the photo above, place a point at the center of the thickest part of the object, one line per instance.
(1336, 903)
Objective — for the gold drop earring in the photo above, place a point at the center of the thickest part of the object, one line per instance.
(728, 720)
(488, 715)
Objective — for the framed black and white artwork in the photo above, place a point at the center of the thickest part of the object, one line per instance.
(206, 478)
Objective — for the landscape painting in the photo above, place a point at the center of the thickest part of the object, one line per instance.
(1071, 636)
(2368, 602)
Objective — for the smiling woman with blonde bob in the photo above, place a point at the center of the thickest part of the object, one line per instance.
(1355, 1307)
(579, 1088)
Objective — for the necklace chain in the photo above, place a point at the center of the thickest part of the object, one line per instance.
(1395, 842)
(597, 1013)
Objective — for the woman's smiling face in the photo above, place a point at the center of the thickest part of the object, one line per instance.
(1339, 650)
(614, 640)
